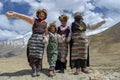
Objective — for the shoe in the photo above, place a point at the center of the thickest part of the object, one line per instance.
(34, 74)
(51, 73)
(77, 71)
(61, 71)
(84, 70)
(34, 71)
(38, 72)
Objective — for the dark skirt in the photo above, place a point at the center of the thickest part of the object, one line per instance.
(60, 65)
(35, 62)
(62, 51)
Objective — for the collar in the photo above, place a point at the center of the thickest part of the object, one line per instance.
(40, 20)
(63, 27)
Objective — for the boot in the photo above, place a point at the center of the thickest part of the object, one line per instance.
(84, 70)
(62, 70)
(38, 72)
(51, 73)
(34, 71)
(77, 71)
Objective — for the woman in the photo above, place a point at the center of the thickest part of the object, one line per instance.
(64, 31)
(79, 44)
(35, 47)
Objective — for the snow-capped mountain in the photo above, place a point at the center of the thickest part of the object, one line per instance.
(19, 41)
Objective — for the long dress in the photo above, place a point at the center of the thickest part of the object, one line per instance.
(35, 46)
(52, 50)
(78, 46)
(79, 54)
(62, 49)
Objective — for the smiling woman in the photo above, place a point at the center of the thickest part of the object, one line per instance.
(35, 47)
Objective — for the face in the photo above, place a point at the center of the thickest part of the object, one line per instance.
(52, 29)
(41, 15)
(63, 22)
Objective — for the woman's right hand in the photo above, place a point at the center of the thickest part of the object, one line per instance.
(10, 14)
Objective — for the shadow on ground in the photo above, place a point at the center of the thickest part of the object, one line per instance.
(22, 73)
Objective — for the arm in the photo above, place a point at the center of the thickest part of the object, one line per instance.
(20, 16)
(46, 30)
(61, 38)
(45, 38)
(69, 35)
(92, 27)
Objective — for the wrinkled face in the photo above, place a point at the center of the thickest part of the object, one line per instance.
(52, 30)
(41, 15)
(63, 22)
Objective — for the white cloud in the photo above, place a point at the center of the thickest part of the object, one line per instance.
(21, 26)
(112, 6)
(1, 6)
(92, 18)
(11, 30)
(54, 9)
(4, 23)
(109, 4)
(5, 34)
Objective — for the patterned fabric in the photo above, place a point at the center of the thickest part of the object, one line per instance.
(79, 55)
(39, 27)
(79, 47)
(52, 50)
(63, 47)
(33, 61)
(62, 51)
(65, 31)
(36, 46)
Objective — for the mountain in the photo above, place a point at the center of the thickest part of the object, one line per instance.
(104, 59)
(104, 47)
(20, 41)
(107, 41)
(10, 48)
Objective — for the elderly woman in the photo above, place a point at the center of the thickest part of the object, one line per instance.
(35, 47)
(64, 31)
(79, 43)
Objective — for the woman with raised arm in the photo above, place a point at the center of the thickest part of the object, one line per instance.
(79, 44)
(35, 47)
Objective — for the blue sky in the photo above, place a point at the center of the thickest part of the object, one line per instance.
(93, 12)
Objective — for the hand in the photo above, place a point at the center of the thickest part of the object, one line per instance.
(63, 35)
(10, 14)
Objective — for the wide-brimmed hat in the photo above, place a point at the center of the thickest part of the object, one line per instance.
(42, 10)
(63, 18)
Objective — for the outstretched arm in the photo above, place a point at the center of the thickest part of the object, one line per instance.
(26, 18)
(92, 27)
